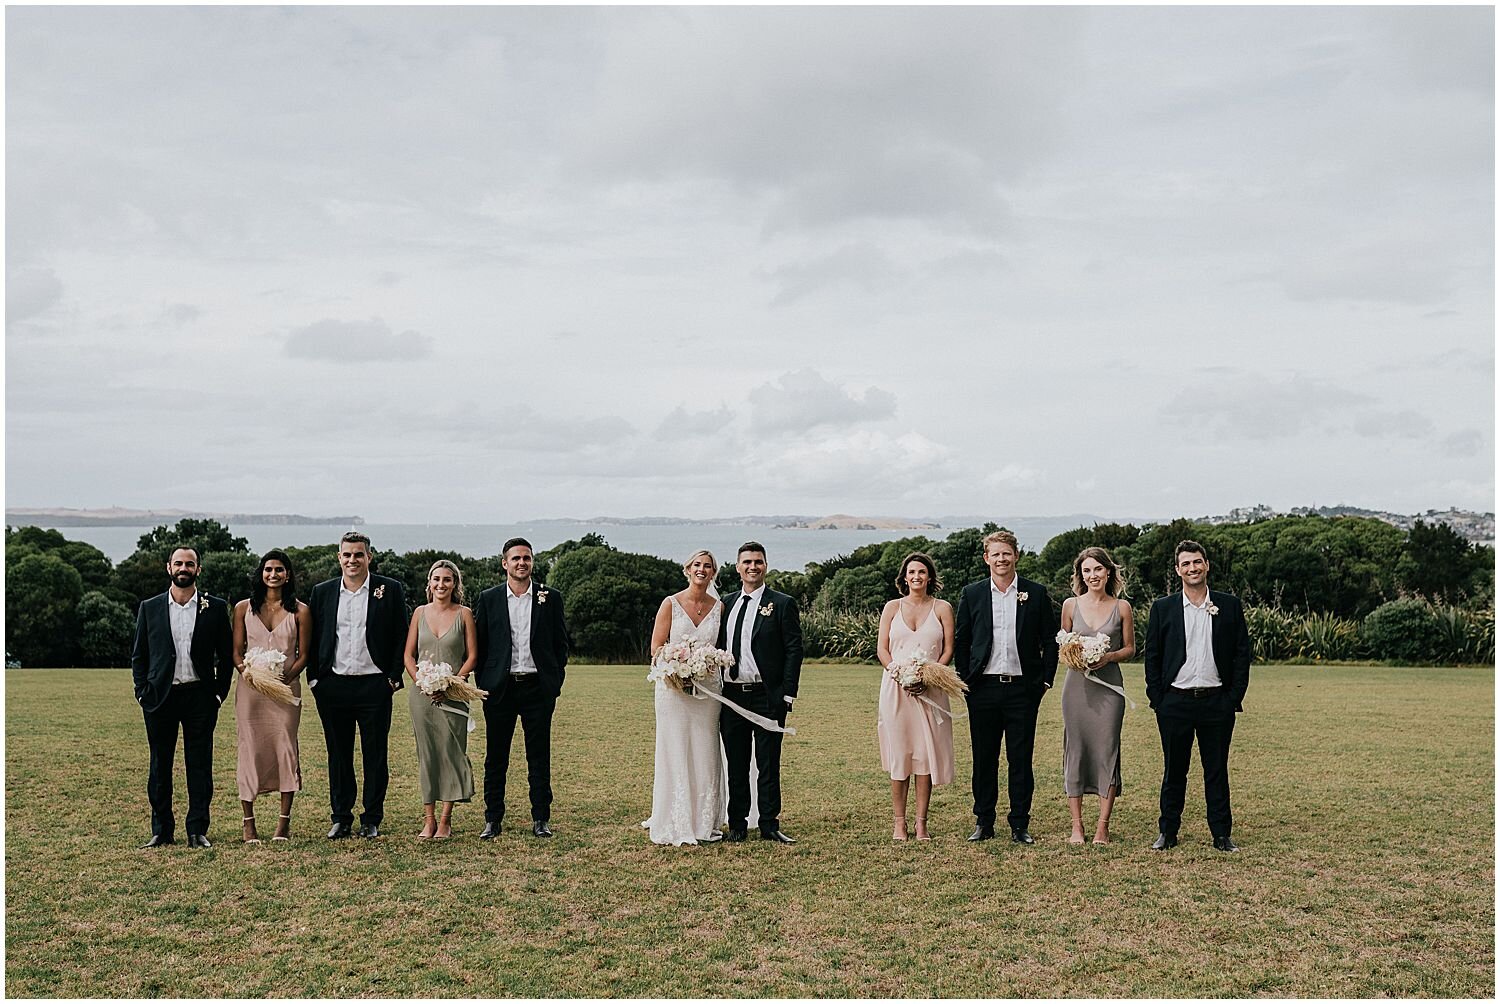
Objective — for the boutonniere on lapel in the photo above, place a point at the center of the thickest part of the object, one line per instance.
(1213, 611)
(541, 596)
(1021, 597)
(379, 591)
(767, 609)
(202, 602)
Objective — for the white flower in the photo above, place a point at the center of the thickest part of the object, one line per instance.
(688, 659)
(1213, 611)
(765, 610)
(433, 678)
(380, 590)
(541, 596)
(202, 602)
(1021, 597)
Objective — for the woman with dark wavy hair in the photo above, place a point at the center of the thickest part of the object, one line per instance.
(1093, 715)
(272, 618)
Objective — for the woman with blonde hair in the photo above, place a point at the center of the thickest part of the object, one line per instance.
(442, 630)
(1093, 700)
(688, 793)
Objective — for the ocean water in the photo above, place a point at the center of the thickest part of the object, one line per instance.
(786, 548)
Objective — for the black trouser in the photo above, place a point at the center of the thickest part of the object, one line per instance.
(1179, 717)
(194, 707)
(738, 735)
(344, 704)
(523, 697)
(1002, 711)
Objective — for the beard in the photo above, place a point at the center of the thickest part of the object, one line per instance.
(184, 579)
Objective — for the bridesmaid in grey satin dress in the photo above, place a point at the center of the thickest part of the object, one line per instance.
(1093, 715)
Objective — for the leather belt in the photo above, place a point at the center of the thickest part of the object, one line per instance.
(1200, 691)
(744, 688)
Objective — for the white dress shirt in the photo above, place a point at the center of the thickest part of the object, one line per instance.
(1005, 658)
(749, 671)
(183, 618)
(351, 654)
(1199, 670)
(521, 662)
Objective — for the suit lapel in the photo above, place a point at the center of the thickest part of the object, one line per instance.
(1020, 613)
(1179, 621)
(535, 592)
(753, 612)
(984, 612)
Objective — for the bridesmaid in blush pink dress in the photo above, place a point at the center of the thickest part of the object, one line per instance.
(271, 618)
(916, 739)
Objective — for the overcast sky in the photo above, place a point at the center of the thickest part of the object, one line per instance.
(489, 264)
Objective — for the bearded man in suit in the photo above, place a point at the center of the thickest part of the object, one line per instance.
(523, 656)
(181, 664)
(1197, 671)
(359, 640)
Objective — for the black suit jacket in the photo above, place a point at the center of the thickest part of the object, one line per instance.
(153, 658)
(1166, 646)
(775, 642)
(549, 639)
(385, 628)
(1036, 633)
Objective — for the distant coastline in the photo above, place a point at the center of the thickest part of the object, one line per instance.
(117, 516)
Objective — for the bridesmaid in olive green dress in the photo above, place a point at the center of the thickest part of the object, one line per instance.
(441, 631)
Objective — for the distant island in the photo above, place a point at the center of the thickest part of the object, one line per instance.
(838, 521)
(117, 516)
(1475, 527)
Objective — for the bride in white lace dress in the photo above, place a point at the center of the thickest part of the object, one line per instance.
(688, 796)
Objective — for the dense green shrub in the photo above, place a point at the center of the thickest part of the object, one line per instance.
(1273, 633)
(856, 589)
(1321, 637)
(106, 631)
(1405, 631)
(849, 634)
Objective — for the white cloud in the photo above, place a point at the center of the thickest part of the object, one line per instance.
(30, 292)
(355, 342)
(804, 399)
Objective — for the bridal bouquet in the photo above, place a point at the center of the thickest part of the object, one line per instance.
(1081, 652)
(262, 671)
(680, 663)
(916, 670)
(435, 679)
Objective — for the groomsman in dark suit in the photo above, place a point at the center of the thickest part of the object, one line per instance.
(181, 663)
(359, 637)
(1197, 671)
(761, 628)
(1005, 649)
(523, 657)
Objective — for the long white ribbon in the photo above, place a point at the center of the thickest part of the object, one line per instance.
(941, 711)
(701, 693)
(462, 713)
(1088, 674)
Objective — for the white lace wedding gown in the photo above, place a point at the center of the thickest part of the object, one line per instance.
(689, 794)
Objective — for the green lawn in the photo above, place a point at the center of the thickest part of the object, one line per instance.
(1363, 798)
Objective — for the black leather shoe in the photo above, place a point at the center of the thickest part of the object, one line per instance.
(157, 840)
(198, 840)
(1021, 837)
(735, 835)
(490, 831)
(339, 831)
(369, 831)
(1225, 844)
(539, 828)
(778, 836)
(982, 832)
(1164, 842)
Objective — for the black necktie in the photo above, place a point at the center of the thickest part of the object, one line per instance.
(734, 645)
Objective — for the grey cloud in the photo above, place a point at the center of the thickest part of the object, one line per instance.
(524, 429)
(681, 423)
(1257, 406)
(387, 278)
(805, 398)
(860, 265)
(1464, 443)
(355, 342)
(30, 292)
(1393, 425)
(182, 313)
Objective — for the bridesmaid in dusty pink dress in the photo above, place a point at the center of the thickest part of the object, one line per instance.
(271, 618)
(916, 739)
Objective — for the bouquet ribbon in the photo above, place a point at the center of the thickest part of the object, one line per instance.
(460, 712)
(938, 710)
(1088, 674)
(770, 725)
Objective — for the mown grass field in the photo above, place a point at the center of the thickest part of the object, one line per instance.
(1363, 798)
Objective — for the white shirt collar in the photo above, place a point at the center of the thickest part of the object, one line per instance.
(756, 594)
(520, 596)
(363, 586)
(183, 606)
(1207, 599)
(1006, 591)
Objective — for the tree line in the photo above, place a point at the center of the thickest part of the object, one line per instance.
(1313, 584)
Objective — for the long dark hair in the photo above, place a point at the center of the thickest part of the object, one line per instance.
(258, 582)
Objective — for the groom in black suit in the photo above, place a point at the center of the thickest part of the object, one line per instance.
(523, 657)
(1197, 671)
(359, 641)
(1005, 649)
(761, 628)
(181, 664)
